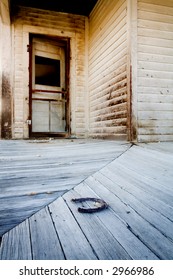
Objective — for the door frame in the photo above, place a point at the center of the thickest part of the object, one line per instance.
(66, 43)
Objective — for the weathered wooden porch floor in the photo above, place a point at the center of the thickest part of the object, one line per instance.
(33, 173)
(138, 224)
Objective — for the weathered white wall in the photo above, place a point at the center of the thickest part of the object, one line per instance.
(155, 70)
(108, 69)
(118, 32)
(56, 24)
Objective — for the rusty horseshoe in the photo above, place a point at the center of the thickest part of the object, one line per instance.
(101, 204)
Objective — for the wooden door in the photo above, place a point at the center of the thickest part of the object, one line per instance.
(48, 94)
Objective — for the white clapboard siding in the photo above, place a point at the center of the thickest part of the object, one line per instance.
(30, 20)
(108, 69)
(155, 70)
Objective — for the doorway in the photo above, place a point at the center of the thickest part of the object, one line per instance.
(48, 87)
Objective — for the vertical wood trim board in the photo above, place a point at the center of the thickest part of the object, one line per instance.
(108, 60)
(30, 20)
(155, 70)
(132, 35)
(5, 76)
(0, 70)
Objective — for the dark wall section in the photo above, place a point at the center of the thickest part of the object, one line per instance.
(6, 119)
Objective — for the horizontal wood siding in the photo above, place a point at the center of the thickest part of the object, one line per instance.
(108, 69)
(155, 70)
(55, 24)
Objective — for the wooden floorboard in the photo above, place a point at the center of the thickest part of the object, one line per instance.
(34, 173)
(118, 227)
(139, 188)
(77, 246)
(17, 243)
(103, 242)
(15, 209)
(44, 240)
(140, 226)
(138, 223)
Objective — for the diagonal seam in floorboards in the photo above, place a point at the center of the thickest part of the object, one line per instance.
(136, 216)
(39, 200)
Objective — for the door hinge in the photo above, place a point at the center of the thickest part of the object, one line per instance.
(28, 122)
(28, 48)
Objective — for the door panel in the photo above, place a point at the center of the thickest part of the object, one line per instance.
(48, 86)
(57, 116)
(40, 116)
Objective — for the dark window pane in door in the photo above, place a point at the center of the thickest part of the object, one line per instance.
(47, 71)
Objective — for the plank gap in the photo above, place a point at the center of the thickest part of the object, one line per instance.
(81, 229)
(50, 213)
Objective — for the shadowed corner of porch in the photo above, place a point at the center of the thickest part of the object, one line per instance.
(134, 180)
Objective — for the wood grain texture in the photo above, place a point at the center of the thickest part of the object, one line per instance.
(77, 246)
(155, 68)
(105, 246)
(138, 223)
(44, 240)
(19, 236)
(108, 51)
(35, 173)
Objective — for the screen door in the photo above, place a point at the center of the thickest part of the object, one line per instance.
(48, 109)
